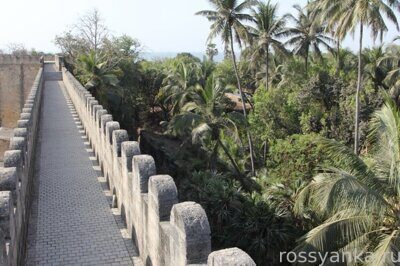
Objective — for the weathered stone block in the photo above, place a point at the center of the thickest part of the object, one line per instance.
(23, 123)
(163, 195)
(143, 166)
(231, 257)
(110, 127)
(95, 108)
(8, 178)
(104, 120)
(98, 115)
(20, 132)
(25, 116)
(119, 136)
(192, 241)
(4, 204)
(17, 143)
(12, 158)
(91, 104)
(5, 211)
(128, 150)
(26, 110)
(88, 100)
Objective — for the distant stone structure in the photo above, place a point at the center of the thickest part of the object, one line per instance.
(17, 74)
(165, 231)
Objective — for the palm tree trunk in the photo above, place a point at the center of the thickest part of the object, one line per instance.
(265, 151)
(243, 104)
(267, 66)
(214, 157)
(233, 162)
(338, 56)
(306, 62)
(357, 113)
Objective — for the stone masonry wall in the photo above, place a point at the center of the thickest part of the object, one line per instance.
(16, 178)
(17, 75)
(165, 231)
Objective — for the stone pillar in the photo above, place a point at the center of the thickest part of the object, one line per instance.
(190, 241)
(143, 166)
(128, 150)
(118, 136)
(163, 194)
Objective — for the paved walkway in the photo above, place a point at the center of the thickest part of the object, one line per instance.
(71, 221)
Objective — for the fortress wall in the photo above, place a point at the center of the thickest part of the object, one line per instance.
(16, 178)
(165, 231)
(17, 74)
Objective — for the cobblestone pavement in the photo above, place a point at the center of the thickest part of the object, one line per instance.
(71, 221)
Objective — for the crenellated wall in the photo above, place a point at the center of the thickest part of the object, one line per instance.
(16, 178)
(17, 74)
(165, 231)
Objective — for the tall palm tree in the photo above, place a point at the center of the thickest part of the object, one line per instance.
(307, 34)
(353, 14)
(227, 22)
(268, 28)
(323, 10)
(358, 200)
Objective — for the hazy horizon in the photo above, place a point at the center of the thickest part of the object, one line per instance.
(161, 26)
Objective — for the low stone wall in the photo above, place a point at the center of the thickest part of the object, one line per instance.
(166, 232)
(16, 179)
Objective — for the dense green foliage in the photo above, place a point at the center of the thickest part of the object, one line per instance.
(263, 140)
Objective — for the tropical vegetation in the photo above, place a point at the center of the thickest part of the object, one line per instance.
(290, 143)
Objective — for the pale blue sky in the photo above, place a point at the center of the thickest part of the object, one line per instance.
(161, 25)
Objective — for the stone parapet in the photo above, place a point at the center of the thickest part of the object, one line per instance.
(165, 231)
(21, 59)
(17, 176)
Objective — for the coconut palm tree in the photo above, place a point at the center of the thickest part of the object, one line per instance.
(323, 10)
(353, 14)
(227, 22)
(307, 34)
(357, 200)
(211, 51)
(268, 28)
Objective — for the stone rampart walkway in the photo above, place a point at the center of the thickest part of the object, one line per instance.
(71, 221)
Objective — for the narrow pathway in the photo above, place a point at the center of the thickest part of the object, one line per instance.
(71, 221)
